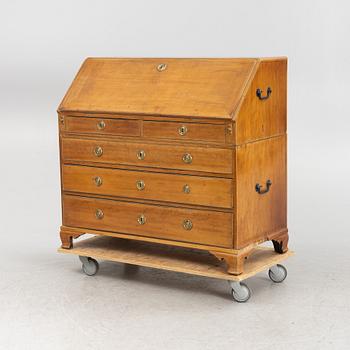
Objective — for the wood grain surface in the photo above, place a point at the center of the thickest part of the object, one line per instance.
(119, 127)
(260, 214)
(194, 131)
(212, 192)
(209, 227)
(204, 159)
(258, 119)
(187, 87)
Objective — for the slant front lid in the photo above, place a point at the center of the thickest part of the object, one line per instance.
(169, 87)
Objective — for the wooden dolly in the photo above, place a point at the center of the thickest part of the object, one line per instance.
(195, 262)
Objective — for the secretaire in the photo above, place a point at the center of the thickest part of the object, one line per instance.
(183, 152)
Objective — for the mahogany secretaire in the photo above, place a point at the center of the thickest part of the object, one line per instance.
(183, 152)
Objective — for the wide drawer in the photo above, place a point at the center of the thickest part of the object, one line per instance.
(185, 131)
(191, 158)
(102, 126)
(187, 225)
(198, 190)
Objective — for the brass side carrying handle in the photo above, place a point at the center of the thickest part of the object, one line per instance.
(258, 188)
(187, 158)
(259, 93)
(98, 151)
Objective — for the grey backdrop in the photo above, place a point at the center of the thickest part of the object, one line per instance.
(45, 302)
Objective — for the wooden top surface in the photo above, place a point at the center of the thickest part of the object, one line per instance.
(195, 262)
(187, 87)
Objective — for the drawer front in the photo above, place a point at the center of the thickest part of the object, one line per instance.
(198, 190)
(185, 131)
(187, 225)
(192, 158)
(102, 126)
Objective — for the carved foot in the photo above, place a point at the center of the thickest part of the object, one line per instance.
(280, 242)
(67, 238)
(234, 262)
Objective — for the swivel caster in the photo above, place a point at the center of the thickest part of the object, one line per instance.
(90, 266)
(240, 291)
(277, 273)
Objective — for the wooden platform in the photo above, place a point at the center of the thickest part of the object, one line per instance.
(172, 258)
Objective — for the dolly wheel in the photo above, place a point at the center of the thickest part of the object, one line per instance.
(90, 266)
(240, 292)
(277, 273)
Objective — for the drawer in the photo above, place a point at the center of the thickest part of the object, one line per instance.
(187, 225)
(185, 131)
(198, 190)
(102, 126)
(190, 158)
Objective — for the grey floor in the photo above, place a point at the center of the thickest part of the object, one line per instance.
(46, 301)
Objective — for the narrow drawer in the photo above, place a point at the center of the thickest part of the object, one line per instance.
(185, 131)
(214, 160)
(102, 126)
(213, 192)
(187, 225)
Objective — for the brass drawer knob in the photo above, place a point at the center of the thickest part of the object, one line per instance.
(98, 151)
(99, 214)
(141, 154)
(187, 158)
(187, 224)
(101, 125)
(98, 181)
(141, 219)
(140, 185)
(183, 130)
(186, 189)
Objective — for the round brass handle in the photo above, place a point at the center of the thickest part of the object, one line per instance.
(101, 125)
(98, 181)
(141, 219)
(183, 130)
(186, 189)
(141, 154)
(99, 214)
(98, 151)
(187, 158)
(140, 185)
(187, 224)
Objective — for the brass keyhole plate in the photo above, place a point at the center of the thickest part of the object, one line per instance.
(183, 130)
(141, 155)
(141, 219)
(140, 185)
(161, 67)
